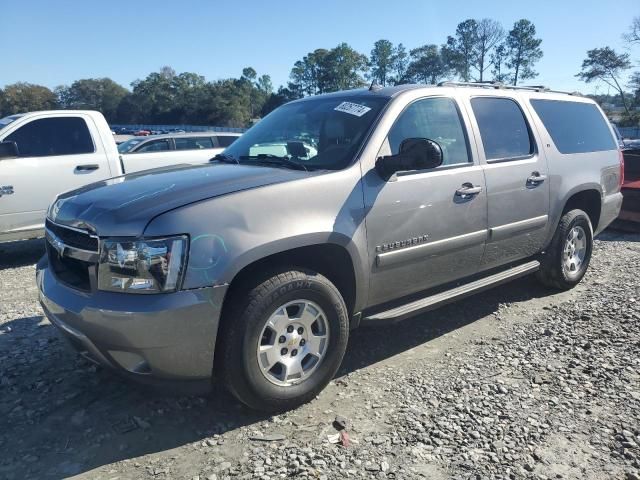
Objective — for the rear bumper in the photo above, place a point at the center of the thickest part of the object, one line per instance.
(164, 336)
(610, 211)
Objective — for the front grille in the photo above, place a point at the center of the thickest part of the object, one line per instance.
(69, 264)
(74, 238)
(70, 271)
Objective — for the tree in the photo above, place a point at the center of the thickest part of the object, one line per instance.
(634, 84)
(498, 61)
(381, 59)
(344, 68)
(523, 50)
(605, 65)
(400, 63)
(460, 51)
(322, 71)
(265, 85)
(26, 97)
(489, 34)
(102, 94)
(307, 74)
(633, 35)
(427, 65)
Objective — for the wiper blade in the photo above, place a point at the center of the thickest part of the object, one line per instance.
(225, 158)
(272, 159)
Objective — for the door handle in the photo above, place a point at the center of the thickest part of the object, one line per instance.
(6, 190)
(536, 179)
(468, 190)
(87, 168)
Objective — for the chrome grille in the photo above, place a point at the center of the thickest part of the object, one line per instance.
(74, 237)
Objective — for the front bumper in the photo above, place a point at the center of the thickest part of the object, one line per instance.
(161, 336)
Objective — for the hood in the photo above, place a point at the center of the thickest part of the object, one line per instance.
(123, 206)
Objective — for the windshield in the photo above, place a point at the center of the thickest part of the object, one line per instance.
(322, 133)
(126, 147)
(7, 120)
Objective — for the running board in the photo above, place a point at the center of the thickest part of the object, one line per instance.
(434, 301)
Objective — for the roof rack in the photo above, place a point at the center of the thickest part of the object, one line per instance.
(502, 86)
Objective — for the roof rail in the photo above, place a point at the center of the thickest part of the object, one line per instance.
(502, 86)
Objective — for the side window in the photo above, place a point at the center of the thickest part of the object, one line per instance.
(226, 140)
(503, 128)
(575, 127)
(193, 143)
(154, 146)
(53, 136)
(437, 119)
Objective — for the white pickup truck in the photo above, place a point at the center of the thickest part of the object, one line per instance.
(46, 153)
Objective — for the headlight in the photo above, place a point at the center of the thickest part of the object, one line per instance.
(142, 266)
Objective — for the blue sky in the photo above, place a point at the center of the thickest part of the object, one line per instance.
(56, 42)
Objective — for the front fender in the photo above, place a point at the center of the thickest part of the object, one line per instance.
(230, 232)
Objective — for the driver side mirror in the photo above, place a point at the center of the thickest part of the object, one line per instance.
(8, 150)
(415, 154)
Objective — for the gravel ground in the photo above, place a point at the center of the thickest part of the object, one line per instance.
(519, 382)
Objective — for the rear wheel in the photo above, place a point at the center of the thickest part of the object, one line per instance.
(284, 340)
(566, 260)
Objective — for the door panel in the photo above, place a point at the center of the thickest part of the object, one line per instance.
(421, 234)
(428, 227)
(37, 180)
(516, 178)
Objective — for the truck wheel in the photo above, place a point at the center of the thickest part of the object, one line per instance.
(283, 341)
(566, 260)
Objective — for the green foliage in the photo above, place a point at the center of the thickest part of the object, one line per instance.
(523, 50)
(323, 71)
(460, 50)
(24, 97)
(382, 57)
(427, 65)
(605, 65)
(102, 94)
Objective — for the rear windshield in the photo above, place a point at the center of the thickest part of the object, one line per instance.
(575, 127)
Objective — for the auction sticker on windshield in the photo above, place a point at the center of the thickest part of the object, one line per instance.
(352, 108)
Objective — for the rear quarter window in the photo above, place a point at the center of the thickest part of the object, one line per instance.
(226, 140)
(575, 127)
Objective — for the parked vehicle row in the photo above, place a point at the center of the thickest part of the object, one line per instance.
(365, 206)
(45, 153)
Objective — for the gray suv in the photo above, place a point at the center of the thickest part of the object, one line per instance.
(365, 206)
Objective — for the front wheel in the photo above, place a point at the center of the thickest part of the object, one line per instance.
(567, 258)
(284, 340)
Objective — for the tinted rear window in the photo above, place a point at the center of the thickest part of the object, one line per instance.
(226, 140)
(503, 129)
(193, 143)
(574, 127)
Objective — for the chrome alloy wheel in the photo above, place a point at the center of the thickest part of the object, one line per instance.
(574, 251)
(293, 342)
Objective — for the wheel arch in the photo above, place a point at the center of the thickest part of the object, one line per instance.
(588, 200)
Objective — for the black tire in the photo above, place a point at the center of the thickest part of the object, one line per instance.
(553, 272)
(237, 358)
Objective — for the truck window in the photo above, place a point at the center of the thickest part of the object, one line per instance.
(53, 136)
(504, 131)
(575, 127)
(437, 119)
(193, 143)
(226, 140)
(161, 145)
